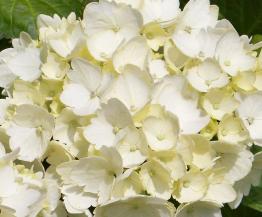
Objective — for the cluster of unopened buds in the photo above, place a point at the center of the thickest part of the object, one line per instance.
(140, 109)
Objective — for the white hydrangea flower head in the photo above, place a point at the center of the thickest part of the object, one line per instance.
(136, 107)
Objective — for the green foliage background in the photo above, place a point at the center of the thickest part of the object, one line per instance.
(246, 16)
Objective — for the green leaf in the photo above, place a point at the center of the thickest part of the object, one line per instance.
(241, 211)
(20, 15)
(254, 148)
(256, 38)
(254, 199)
(245, 15)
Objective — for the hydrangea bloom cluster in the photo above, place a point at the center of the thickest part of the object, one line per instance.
(140, 109)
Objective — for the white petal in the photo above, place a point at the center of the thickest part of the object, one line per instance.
(116, 113)
(100, 133)
(6, 76)
(86, 74)
(237, 163)
(156, 179)
(27, 196)
(198, 209)
(77, 97)
(190, 188)
(207, 75)
(134, 52)
(7, 184)
(32, 144)
(136, 206)
(33, 116)
(232, 56)
(220, 193)
(26, 64)
(198, 14)
(171, 93)
(132, 88)
(160, 11)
